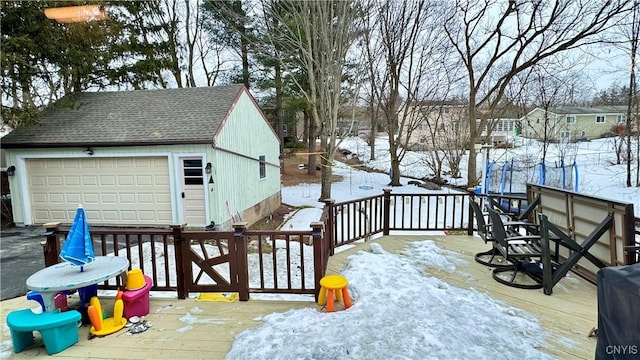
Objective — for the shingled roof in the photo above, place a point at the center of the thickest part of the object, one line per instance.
(588, 110)
(139, 117)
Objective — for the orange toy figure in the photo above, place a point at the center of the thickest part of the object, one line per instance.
(106, 326)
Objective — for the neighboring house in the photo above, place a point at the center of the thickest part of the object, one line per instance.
(353, 121)
(292, 124)
(503, 124)
(572, 123)
(503, 129)
(435, 124)
(147, 157)
(4, 130)
(444, 125)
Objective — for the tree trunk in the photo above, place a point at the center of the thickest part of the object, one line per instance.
(372, 133)
(372, 142)
(632, 86)
(311, 170)
(395, 163)
(279, 110)
(326, 169)
(472, 178)
(305, 128)
(244, 42)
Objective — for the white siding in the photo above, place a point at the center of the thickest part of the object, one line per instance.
(245, 132)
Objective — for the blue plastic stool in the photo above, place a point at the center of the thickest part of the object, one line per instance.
(59, 330)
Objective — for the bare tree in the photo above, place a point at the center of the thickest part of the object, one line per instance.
(442, 134)
(634, 35)
(322, 32)
(498, 39)
(549, 87)
(404, 46)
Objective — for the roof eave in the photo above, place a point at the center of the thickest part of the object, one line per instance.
(18, 145)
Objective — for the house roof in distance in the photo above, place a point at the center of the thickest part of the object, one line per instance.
(139, 117)
(586, 110)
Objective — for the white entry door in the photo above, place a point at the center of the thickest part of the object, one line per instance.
(193, 196)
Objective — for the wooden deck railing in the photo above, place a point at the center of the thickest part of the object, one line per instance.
(426, 212)
(361, 218)
(255, 261)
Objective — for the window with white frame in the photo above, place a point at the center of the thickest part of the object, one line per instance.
(565, 134)
(263, 166)
(571, 119)
(600, 119)
(285, 128)
(505, 126)
(484, 128)
(622, 119)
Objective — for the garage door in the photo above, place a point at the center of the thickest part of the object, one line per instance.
(111, 190)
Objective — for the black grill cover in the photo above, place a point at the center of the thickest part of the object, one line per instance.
(618, 313)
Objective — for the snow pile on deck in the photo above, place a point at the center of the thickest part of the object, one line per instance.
(398, 312)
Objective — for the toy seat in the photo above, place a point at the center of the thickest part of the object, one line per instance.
(328, 286)
(136, 302)
(59, 330)
(106, 326)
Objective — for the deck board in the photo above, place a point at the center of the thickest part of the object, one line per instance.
(566, 316)
(210, 337)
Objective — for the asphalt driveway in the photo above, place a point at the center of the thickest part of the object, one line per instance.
(20, 256)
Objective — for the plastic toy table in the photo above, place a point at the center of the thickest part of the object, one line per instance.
(66, 276)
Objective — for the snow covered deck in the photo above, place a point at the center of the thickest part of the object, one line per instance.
(194, 330)
(567, 315)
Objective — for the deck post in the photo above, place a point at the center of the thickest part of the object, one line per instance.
(242, 265)
(330, 230)
(386, 211)
(180, 252)
(320, 255)
(472, 197)
(50, 246)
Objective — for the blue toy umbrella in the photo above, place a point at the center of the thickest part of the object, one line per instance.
(78, 247)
